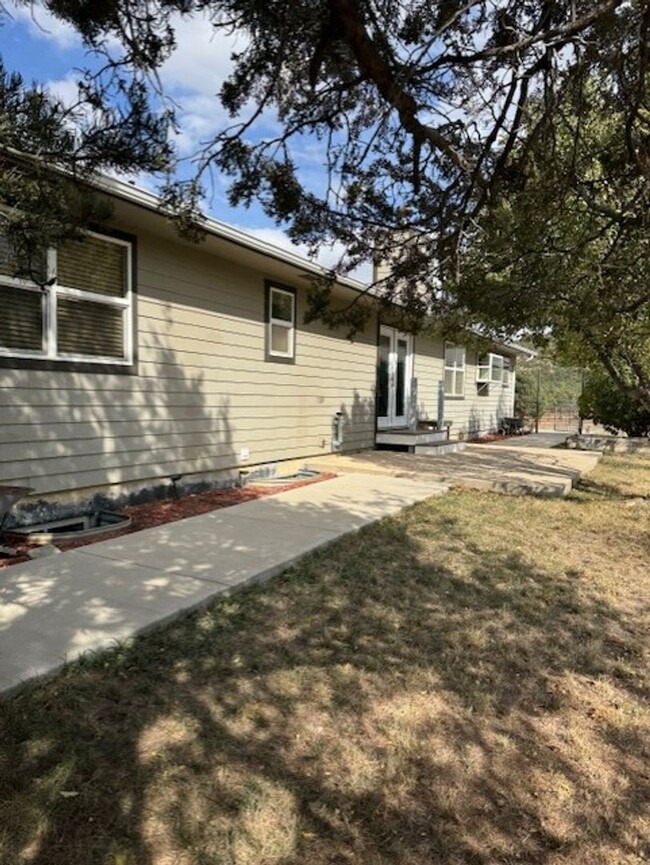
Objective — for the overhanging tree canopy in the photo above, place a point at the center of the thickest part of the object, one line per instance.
(49, 151)
(430, 116)
(419, 105)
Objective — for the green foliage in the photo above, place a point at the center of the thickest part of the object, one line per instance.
(564, 249)
(526, 394)
(604, 403)
(542, 385)
(526, 208)
(49, 153)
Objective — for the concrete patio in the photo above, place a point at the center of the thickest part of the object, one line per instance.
(529, 465)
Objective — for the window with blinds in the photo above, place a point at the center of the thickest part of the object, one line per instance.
(81, 311)
(87, 328)
(94, 264)
(21, 319)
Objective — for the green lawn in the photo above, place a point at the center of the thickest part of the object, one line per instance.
(466, 683)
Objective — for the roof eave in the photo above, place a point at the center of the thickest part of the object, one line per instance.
(150, 201)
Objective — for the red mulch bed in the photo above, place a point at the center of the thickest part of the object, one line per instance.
(156, 513)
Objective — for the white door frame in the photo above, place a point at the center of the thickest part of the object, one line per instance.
(392, 419)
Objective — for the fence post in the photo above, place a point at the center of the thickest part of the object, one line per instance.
(582, 387)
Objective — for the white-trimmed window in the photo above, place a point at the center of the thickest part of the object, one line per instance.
(507, 371)
(281, 323)
(493, 369)
(83, 311)
(454, 369)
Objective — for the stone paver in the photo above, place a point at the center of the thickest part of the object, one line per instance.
(55, 609)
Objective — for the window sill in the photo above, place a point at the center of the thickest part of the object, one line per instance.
(279, 358)
(47, 365)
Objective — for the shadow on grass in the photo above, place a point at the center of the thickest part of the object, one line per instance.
(373, 705)
(598, 489)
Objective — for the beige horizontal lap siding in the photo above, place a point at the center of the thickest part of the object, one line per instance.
(428, 369)
(479, 410)
(204, 392)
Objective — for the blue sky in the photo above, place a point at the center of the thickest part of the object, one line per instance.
(47, 50)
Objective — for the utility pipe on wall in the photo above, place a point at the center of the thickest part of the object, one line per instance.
(337, 431)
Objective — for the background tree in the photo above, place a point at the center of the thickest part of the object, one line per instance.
(563, 248)
(602, 401)
(49, 152)
(435, 117)
(543, 385)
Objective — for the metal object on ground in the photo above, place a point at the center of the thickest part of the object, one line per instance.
(512, 425)
(282, 480)
(72, 528)
(8, 498)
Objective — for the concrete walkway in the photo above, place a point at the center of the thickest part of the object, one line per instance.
(55, 609)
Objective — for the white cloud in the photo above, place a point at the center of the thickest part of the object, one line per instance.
(65, 89)
(201, 61)
(200, 118)
(193, 75)
(199, 64)
(43, 25)
(276, 237)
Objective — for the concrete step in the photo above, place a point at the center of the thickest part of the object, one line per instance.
(440, 449)
(410, 438)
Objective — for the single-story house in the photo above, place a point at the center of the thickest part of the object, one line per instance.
(148, 357)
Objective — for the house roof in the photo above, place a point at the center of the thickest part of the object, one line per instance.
(222, 231)
(517, 348)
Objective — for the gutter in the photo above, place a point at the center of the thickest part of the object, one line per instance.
(150, 201)
(222, 230)
(518, 348)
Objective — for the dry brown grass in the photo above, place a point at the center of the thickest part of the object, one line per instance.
(466, 684)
